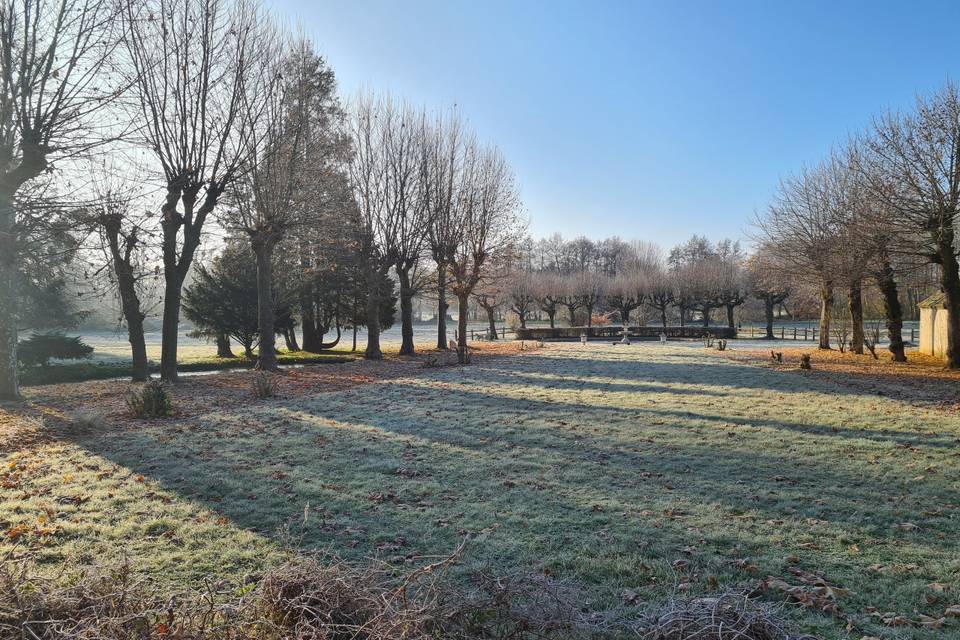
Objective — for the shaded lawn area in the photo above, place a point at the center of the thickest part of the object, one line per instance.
(643, 468)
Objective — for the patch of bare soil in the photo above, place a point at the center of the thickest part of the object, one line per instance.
(921, 381)
(49, 406)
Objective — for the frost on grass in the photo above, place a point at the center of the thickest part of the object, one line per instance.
(655, 471)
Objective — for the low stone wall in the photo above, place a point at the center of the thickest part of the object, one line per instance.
(616, 331)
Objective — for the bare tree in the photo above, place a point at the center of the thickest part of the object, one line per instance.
(122, 237)
(445, 148)
(195, 66)
(547, 293)
(766, 283)
(659, 292)
(801, 226)
(282, 176)
(407, 192)
(490, 226)
(915, 170)
(55, 74)
(521, 292)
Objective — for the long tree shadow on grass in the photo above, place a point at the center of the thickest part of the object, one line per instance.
(609, 493)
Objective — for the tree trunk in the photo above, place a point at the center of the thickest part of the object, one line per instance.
(768, 314)
(9, 383)
(892, 310)
(552, 315)
(265, 315)
(573, 317)
(663, 317)
(373, 351)
(730, 323)
(138, 346)
(706, 316)
(311, 337)
(625, 316)
(248, 351)
(292, 344)
(354, 348)
(442, 306)
(286, 339)
(406, 313)
(462, 310)
(171, 327)
(683, 316)
(950, 283)
(856, 316)
(491, 322)
(589, 309)
(826, 313)
(223, 346)
(130, 303)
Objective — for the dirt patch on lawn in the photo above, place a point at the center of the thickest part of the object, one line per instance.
(921, 381)
(53, 407)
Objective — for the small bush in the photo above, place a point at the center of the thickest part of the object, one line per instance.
(83, 421)
(264, 386)
(40, 348)
(150, 401)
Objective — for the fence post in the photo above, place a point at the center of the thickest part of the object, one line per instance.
(911, 334)
(794, 333)
(781, 333)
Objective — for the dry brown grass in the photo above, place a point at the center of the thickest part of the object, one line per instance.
(322, 598)
(922, 380)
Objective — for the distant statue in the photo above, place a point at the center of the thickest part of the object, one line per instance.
(626, 335)
(663, 337)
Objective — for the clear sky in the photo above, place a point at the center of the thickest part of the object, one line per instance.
(649, 120)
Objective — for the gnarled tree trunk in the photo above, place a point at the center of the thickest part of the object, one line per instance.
(442, 307)
(855, 298)
(462, 310)
(267, 361)
(768, 315)
(373, 351)
(406, 313)
(950, 283)
(892, 310)
(9, 385)
(826, 313)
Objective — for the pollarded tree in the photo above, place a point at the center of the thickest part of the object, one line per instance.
(731, 280)
(386, 179)
(660, 292)
(567, 296)
(282, 173)
(489, 226)
(55, 80)
(590, 289)
(915, 172)
(521, 295)
(802, 229)
(195, 67)
(626, 293)
(547, 292)
(766, 283)
(121, 238)
(445, 147)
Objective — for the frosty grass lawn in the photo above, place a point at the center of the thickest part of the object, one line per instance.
(600, 463)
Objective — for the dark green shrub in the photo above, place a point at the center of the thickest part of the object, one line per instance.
(40, 348)
(150, 401)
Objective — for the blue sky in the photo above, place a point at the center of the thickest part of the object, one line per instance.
(649, 120)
